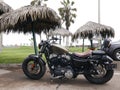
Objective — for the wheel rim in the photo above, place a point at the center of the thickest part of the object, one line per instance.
(101, 72)
(118, 55)
(33, 67)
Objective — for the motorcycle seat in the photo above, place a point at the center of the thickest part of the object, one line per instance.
(98, 52)
(84, 54)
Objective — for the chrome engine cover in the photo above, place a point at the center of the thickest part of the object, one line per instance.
(69, 74)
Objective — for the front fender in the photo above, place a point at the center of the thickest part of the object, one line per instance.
(37, 58)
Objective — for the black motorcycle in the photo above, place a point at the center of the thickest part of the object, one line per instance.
(96, 66)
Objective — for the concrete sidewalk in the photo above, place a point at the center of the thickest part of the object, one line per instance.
(2, 71)
(16, 80)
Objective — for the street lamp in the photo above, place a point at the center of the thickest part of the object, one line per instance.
(99, 11)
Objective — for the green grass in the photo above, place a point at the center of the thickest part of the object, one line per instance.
(18, 54)
(15, 54)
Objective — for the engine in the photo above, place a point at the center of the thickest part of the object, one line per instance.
(60, 64)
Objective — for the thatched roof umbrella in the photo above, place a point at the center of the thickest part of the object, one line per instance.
(33, 19)
(4, 8)
(60, 31)
(91, 29)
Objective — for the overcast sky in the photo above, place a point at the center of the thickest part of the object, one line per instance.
(87, 10)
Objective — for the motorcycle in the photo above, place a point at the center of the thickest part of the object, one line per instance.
(96, 66)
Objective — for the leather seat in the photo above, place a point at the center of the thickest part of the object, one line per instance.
(98, 52)
(84, 54)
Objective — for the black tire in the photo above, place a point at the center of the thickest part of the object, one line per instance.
(101, 80)
(116, 55)
(33, 75)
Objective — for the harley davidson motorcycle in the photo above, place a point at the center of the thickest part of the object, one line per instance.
(96, 66)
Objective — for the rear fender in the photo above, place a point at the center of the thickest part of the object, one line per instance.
(37, 58)
(107, 58)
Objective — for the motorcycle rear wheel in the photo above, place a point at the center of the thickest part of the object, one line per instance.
(100, 79)
(33, 69)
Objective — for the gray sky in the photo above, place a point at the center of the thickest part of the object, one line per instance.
(87, 10)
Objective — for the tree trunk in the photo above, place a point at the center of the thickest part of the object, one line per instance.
(60, 40)
(0, 41)
(83, 46)
(67, 37)
(40, 36)
(91, 42)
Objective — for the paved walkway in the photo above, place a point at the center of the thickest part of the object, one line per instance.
(2, 71)
(16, 80)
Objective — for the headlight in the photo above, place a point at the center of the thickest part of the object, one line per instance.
(39, 45)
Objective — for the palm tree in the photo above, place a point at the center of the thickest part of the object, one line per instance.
(37, 2)
(67, 12)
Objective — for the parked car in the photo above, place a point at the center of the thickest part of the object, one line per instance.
(113, 49)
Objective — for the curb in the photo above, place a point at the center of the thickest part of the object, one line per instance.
(14, 66)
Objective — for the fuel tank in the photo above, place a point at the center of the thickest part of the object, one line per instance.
(58, 49)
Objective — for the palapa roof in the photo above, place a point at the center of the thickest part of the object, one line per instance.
(60, 31)
(4, 8)
(91, 29)
(28, 18)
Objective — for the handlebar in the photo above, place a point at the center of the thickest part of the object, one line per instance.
(55, 38)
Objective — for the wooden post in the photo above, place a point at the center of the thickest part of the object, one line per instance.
(34, 40)
(83, 46)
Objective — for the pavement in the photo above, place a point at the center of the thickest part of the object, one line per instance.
(2, 71)
(14, 79)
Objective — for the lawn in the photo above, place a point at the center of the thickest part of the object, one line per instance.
(18, 54)
(15, 54)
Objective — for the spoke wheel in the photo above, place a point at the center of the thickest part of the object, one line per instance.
(33, 69)
(101, 72)
(102, 77)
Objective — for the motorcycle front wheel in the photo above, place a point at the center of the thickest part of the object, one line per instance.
(101, 78)
(33, 69)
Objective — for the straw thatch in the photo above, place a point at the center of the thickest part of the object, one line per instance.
(91, 29)
(4, 8)
(60, 31)
(28, 18)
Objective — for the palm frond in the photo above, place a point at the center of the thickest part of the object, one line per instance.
(72, 3)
